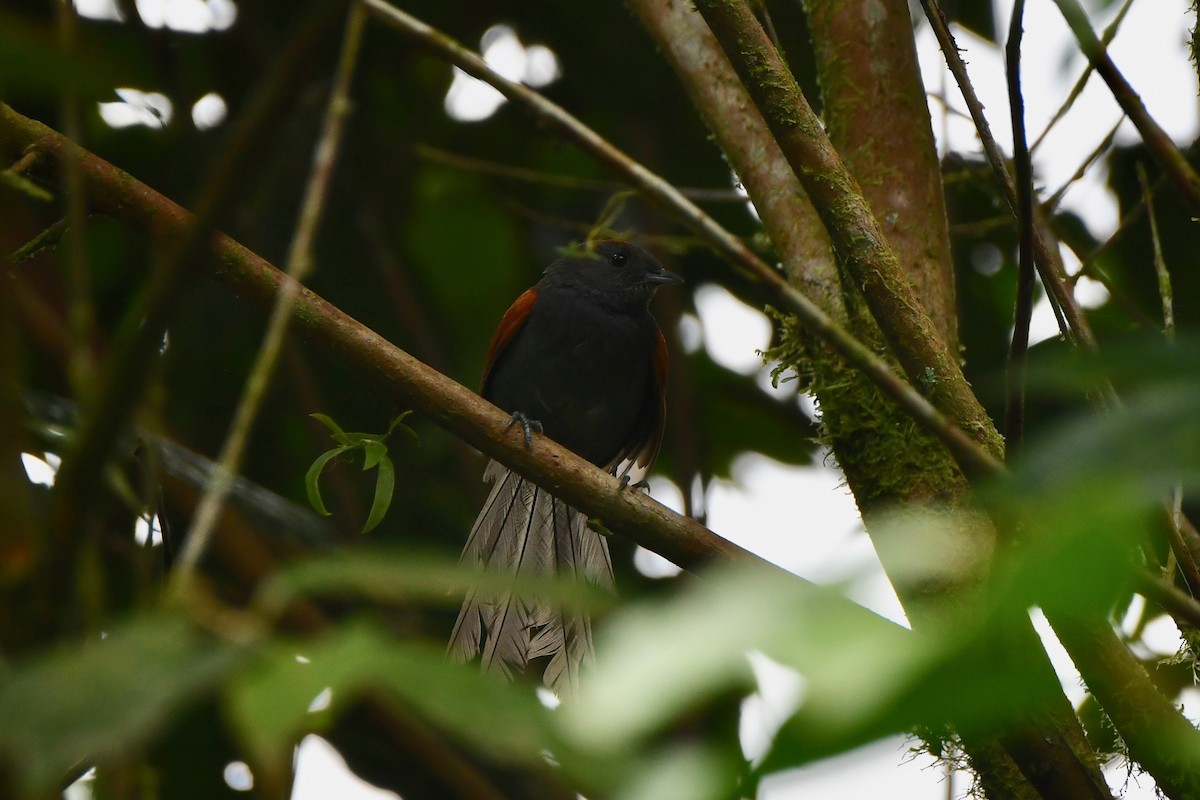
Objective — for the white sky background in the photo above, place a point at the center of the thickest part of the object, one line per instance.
(803, 518)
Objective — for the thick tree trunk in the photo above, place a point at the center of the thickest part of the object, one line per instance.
(888, 463)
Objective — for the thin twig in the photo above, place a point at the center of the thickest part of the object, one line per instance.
(1173, 162)
(971, 456)
(1173, 506)
(139, 336)
(27, 160)
(981, 228)
(1090, 260)
(1049, 206)
(1109, 33)
(1023, 307)
(80, 314)
(1165, 293)
(1071, 321)
(1182, 608)
(299, 265)
(437, 155)
(46, 238)
(1115, 292)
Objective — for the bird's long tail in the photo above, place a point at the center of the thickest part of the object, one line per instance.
(525, 531)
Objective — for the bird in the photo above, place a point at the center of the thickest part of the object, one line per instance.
(579, 358)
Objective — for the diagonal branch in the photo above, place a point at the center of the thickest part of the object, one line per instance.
(1159, 738)
(447, 403)
(796, 232)
(1173, 162)
(857, 239)
(977, 452)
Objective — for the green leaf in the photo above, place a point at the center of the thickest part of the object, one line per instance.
(27, 187)
(268, 704)
(683, 773)
(1152, 442)
(336, 431)
(661, 659)
(313, 477)
(83, 703)
(863, 677)
(385, 484)
(397, 424)
(373, 452)
(404, 577)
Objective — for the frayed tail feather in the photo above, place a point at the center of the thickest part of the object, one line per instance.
(527, 532)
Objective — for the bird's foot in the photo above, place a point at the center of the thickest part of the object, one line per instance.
(643, 484)
(527, 427)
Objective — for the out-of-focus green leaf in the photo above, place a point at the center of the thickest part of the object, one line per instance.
(27, 187)
(1131, 363)
(82, 704)
(658, 660)
(30, 58)
(682, 773)
(863, 676)
(1149, 445)
(390, 577)
(269, 703)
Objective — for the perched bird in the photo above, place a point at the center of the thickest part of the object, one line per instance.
(580, 358)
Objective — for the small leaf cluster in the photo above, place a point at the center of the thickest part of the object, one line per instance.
(375, 455)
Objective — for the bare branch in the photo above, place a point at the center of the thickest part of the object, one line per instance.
(1071, 321)
(1173, 162)
(1023, 309)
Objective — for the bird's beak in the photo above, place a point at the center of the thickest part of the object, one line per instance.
(662, 278)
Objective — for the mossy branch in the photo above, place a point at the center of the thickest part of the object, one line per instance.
(857, 238)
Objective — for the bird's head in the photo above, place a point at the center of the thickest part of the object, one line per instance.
(618, 271)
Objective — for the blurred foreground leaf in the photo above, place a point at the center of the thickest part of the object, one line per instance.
(400, 576)
(70, 708)
(269, 704)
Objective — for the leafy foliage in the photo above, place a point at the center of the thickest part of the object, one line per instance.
(433, 226)
(374, 452)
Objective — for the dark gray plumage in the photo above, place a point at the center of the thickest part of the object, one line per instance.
(581, 355)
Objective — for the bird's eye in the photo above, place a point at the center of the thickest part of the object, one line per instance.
(618, 259)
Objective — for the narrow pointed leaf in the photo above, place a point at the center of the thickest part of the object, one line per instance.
(313, 476)
(385, 484)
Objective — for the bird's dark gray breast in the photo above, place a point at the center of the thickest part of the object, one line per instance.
(582, 369)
